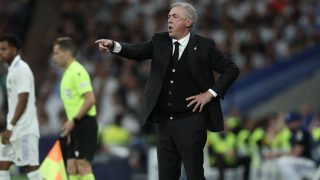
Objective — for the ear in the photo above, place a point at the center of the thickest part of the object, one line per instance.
(13, 49)
(16, 49)
(188, 23)
(69, 53)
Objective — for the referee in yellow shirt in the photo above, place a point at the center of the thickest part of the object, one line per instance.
(79, 103)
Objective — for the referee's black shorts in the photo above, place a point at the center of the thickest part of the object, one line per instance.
(84, 139)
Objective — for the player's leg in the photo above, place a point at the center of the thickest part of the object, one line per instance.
(85, 169)
(6, 158)
(27, 155)
(4, 170)
(72, 169)
(33, 173)
(87, 146)
(72, 155)
(5, 165)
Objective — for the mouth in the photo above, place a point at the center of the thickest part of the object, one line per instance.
(170, 28)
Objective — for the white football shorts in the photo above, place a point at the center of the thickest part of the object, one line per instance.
(22, 152)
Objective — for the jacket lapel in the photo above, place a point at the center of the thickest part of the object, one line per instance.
(193, 55)
(166, 53)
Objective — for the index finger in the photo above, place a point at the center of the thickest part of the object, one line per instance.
(63, 134)
(99, 41)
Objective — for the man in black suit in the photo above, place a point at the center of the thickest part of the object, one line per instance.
(181, 95)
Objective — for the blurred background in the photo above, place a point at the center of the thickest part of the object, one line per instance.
(275, 43)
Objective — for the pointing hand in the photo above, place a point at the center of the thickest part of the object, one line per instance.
(105, 45)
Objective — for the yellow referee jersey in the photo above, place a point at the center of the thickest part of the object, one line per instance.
(74, 84)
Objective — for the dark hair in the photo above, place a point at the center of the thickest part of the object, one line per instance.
(12, 39)
(66, 44)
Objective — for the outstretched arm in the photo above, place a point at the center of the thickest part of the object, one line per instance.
(141, 51)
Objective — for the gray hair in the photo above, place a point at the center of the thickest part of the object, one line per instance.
(190, 11)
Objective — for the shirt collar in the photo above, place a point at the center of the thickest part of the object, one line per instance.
(183, 41)
(73, 62)
(15, 60)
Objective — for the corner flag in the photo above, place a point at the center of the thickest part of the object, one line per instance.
(52, 168)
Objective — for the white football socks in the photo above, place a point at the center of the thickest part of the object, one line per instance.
(5, 175)
(34, 175)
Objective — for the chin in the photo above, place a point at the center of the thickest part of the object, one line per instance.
(172, 35)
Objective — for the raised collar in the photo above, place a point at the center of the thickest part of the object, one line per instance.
(15, 61)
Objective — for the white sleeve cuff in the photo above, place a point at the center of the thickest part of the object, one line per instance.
(10, 126)
(117, 47)
(213, 93)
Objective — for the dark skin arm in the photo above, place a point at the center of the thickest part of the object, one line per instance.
(20, 108)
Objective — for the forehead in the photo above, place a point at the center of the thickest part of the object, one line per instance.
(56, 47)
(177, 11)
(4, 44)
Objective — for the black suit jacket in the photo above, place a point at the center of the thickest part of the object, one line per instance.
(204, 58)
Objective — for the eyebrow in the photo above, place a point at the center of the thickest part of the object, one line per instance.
(173, 14)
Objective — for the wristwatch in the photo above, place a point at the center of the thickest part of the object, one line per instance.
(112, 46)
(75, 119)
(10, 127)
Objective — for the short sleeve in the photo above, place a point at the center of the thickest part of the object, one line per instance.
(23, 80)
(83, 82)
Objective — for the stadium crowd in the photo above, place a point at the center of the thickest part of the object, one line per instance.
(255, 33)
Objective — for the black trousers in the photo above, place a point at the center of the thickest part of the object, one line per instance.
(181, 140)
(83, 139)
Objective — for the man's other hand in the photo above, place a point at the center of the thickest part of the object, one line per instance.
(199, 100)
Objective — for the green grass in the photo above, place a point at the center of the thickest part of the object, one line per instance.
(19, 177)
